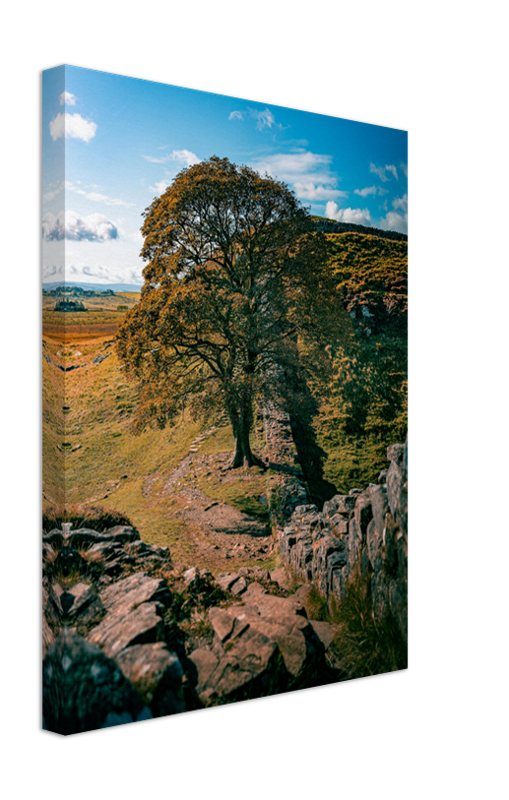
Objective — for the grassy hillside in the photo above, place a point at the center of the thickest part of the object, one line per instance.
(87, 437)
(165, 481)
(364, 408)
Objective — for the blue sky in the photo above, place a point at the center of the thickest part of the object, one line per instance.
(123, 140)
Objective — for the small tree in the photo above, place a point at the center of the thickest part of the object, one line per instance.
(235, 272)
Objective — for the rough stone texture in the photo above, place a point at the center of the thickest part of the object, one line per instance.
(365, 532)
(157, 676)
(83, 689)
(118, 630)
(122, 667)
(262, 644)
(250, 667)
(112, 666)
(132, 591)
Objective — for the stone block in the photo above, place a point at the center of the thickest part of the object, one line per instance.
(83, 689)
(156, 674)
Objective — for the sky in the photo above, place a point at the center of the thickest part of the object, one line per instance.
(111, 144)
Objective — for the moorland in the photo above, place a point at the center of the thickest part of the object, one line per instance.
(173, 484)
(178, 580)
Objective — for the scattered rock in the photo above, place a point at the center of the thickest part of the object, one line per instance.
(128, 664)
(83, 689)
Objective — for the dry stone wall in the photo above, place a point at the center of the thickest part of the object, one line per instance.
(128, 636)
(360, 535)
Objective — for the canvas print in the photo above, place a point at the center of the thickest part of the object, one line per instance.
(225, 463)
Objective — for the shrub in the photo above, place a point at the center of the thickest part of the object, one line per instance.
(94, 517)
(367, 646)
(316, 605)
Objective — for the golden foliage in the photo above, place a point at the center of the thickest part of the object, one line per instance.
(235, 272)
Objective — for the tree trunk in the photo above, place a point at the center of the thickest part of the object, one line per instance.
(241, 423)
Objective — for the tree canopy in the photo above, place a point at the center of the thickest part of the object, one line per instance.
(235, 273)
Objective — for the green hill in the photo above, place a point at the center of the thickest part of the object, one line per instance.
(332, 226)
(363, 409)
(343, 420)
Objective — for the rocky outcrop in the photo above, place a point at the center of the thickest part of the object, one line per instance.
(282, 455)
(126, 636)
(363, 533)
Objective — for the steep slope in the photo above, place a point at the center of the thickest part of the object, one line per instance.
(364, 408)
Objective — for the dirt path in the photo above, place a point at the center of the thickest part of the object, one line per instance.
(221, 536)
(219, 531)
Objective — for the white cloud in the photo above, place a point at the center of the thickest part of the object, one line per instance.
(358, 216)
(401, 202)
(73, 126)
(298, 166)
(111, 262)
(371, 190)
(309, 174)
(181, 158)
(264, 119)
(153, 160)
(95, 196)
(102, 198)
(404, 167)
(57, 127)
(380, 171)
(308, 191)
(235, 115)
(397, 220)
(394, 221)
(178, 156)
(185, 157)
(160, 186)
(71, 225)
(68, 99)
(366, 191)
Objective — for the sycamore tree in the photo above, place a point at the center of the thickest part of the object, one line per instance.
(235, 274)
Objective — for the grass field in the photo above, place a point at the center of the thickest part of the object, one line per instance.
(159, 478)
(92, 458)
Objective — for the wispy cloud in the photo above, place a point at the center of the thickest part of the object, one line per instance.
(177, 156)
(309, 174)
(371, 190)
(404, 168)
(365, 192)
(297, 166)
(72, 126)
(381, 171)
(71, 225)
(96, 197)
(54, 190)
(264, 119)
